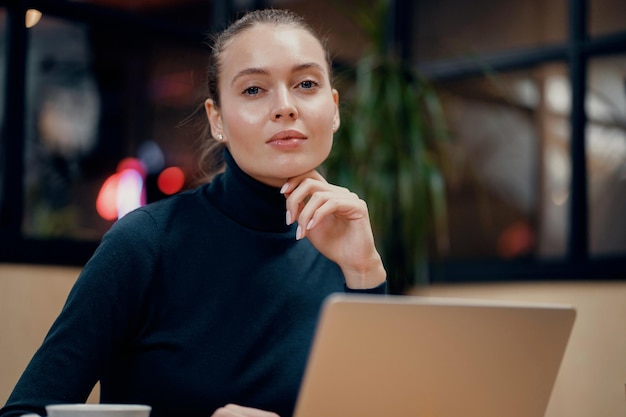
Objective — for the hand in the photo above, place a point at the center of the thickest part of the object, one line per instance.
(337, 223)
(232, 410)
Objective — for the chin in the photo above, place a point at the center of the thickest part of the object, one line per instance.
(292, 165)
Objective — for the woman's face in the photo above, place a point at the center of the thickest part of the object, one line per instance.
(277, 111)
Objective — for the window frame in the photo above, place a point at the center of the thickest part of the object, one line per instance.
(576, 52)
(14, 246)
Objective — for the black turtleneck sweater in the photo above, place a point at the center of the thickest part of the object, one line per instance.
(196, 301)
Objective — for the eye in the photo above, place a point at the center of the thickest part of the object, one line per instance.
(252, 91)
(308, 84)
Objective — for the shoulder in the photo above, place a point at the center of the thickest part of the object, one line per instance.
(145, 227)
(158, 215)
(137, 240)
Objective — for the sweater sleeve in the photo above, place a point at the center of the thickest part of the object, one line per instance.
(100, 314)
(379, 289)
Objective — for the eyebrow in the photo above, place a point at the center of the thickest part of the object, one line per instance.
(263, 71)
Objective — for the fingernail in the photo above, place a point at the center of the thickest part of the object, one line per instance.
(299, 233)
(284, 188)
(309, 225)
(288, 217)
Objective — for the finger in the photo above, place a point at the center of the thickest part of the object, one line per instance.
(310, 212)
(234, 410)
(347, 206)
(308, 189)
(294, 182)
(299, 196)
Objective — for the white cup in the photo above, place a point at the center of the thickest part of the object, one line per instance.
(98, 410)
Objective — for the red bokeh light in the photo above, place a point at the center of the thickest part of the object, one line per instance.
(106, 203)
(171, 180)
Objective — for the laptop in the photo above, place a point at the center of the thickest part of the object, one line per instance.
(409, 356)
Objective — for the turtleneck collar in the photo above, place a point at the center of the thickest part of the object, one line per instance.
(247, 201)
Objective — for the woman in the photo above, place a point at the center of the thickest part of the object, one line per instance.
(210, 298)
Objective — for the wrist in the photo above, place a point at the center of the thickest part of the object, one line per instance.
(366, 276)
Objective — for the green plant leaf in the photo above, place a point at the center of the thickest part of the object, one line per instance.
(390, 151)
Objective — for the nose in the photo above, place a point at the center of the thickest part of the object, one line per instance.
(285, 106)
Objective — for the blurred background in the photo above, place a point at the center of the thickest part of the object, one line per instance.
(96, 96)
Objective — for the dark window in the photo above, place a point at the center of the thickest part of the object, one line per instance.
(536, 102)
(537, 109)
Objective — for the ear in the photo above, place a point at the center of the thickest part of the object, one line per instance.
(214, 116)
(336, 117)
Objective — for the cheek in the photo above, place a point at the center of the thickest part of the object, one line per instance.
(244, 117)
(323, 113)
(242, 121)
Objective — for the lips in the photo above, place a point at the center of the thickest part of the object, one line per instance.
(285, 135)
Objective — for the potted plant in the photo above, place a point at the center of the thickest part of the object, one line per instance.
(389, 150)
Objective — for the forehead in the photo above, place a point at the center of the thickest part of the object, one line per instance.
(269, 45)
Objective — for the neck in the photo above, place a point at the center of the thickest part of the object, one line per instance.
(247, 201)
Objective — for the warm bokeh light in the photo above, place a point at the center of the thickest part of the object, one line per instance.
(106, 203)
(516, 240)
(130, 192)
(171, 180)
(123, 191)
(32, 17)
(132, 163)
